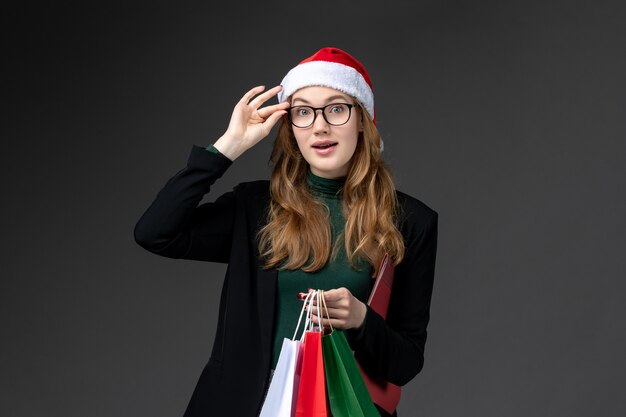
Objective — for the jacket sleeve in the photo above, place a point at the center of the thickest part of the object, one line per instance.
(394, 348)
(175, 225)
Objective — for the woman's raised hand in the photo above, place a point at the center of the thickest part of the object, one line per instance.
(249, 122)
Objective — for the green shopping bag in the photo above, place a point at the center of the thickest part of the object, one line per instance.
(346, 391)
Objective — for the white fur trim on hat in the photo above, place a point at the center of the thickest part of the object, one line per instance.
(328, 74)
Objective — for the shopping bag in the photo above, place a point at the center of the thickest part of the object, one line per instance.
(383, 393)
(348, 395)
(311, 398)
(280, 398)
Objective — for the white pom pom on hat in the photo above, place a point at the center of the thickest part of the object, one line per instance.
(334, 68)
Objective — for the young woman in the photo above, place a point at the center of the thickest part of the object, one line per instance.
(324, 220)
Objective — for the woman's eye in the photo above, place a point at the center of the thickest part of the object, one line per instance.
(302, 111)
(336, 109)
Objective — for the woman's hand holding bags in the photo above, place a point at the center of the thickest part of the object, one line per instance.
(317, 375)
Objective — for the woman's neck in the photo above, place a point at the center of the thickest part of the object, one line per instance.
(325, 186)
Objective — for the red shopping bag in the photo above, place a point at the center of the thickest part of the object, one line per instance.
(383, 393)
(311, 399)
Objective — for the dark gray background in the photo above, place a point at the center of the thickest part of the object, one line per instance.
(507, 117)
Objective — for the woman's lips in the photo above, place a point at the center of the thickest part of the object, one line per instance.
(324, 148)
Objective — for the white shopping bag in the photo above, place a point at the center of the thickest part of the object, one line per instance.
(280, 400)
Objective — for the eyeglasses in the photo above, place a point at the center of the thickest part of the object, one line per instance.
(335, 114)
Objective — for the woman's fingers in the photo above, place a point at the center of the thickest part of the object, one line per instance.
(251, 93)
(333, 311)
(269, 123)
(334, 323)
(338, 299)
(337, 295)
(268, 110)
(339, 316)
(262, 98)
(341, 309)
(336, 313)
(330, 323)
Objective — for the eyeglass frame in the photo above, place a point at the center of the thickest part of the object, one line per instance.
(315, 109)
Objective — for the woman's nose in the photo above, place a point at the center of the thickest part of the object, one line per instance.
(320, 125)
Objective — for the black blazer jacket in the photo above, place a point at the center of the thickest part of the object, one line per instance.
(234, 380)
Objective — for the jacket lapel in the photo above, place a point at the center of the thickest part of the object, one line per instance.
(266, 291)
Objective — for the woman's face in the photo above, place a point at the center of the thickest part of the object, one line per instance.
(327, 148)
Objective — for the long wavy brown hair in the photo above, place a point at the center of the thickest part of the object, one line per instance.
(298, 232)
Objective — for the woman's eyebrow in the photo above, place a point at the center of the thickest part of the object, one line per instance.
(329, 99)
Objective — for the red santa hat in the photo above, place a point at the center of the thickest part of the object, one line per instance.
(334, 68)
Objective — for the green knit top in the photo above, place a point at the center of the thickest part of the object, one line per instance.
(335, 274)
